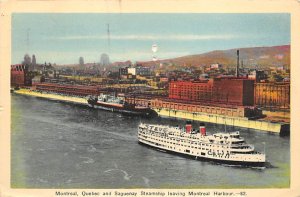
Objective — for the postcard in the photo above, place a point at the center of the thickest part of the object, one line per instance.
(127, 98)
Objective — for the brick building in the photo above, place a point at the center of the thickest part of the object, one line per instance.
(20, 75)
(191, 91)
(79, 90)
(273, 96)
(233, 91)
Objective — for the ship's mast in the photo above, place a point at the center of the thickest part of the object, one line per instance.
(225, 125)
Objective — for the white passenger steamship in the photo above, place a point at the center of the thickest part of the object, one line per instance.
(223, 147)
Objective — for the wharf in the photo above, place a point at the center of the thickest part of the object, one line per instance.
(268, 126)
(51, 96)
(280, 128)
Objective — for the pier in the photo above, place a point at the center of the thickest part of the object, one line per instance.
(52, 96)
(268, 126)
(279, 128)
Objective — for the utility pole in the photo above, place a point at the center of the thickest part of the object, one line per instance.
(27, 40)
(108, 37)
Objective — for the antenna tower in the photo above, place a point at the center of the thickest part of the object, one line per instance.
(108, 36)
(27, 40)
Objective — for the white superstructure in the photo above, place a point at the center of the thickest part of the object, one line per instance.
(221, 147)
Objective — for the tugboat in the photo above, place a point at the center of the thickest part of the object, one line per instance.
(223, 147)
(118, 104)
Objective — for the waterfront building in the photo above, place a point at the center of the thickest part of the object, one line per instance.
(20, 75)
(67, 89)
(233, 91)
(273, 95)
(191, 90)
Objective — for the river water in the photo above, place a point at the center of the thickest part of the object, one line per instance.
(60, 145)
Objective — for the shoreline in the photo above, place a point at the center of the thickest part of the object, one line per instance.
(266, 126)
(51, 96)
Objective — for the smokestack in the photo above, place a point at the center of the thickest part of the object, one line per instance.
(202, 129)
(237, 63)
(242, 64)
(188, 127)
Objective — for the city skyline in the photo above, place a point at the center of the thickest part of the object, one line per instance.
(63, 38)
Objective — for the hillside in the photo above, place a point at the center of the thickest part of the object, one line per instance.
(263, 56)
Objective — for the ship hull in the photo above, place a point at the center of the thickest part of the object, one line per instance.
(227, 162)
(122, 109)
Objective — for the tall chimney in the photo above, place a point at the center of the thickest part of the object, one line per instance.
(237, 63)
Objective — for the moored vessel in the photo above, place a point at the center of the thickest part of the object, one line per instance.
(118, 104)
(223, 147)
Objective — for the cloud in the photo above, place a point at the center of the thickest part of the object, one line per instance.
(146, 56)
(72, 57)
(181, 37)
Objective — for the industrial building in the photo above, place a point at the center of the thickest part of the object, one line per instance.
(195, 107)
(234, 91)
(191, 91)
(20, 75)
(230, 91)
(273, 96)
(79, 90)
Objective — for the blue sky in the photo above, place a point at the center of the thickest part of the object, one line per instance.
(63, 38)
